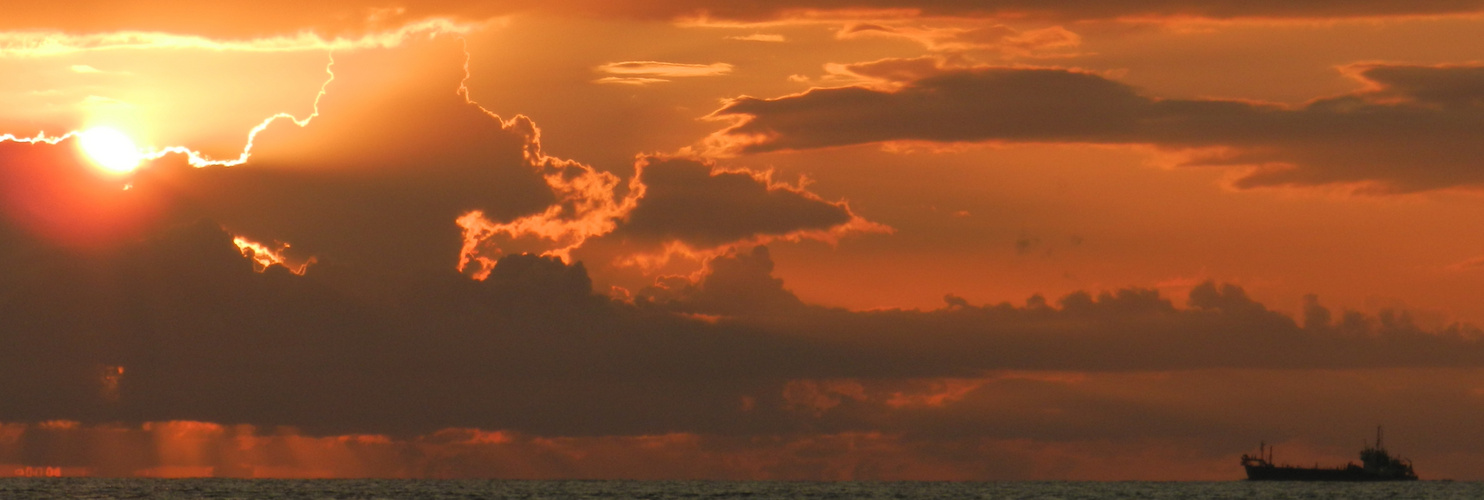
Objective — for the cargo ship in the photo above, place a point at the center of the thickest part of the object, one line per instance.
(1376, 464)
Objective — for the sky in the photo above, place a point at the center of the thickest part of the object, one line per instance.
(784, 239)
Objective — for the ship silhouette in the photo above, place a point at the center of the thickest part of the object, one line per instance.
(1376, 464)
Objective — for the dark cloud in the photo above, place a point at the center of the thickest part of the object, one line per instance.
(694, 202)
(672, 204)
(738, 283)
(178, 326)
(201, 336)
(1412, 131)
(1004, 104)
(196, 334)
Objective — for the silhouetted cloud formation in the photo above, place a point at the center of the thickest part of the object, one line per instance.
(180, 327)
(1412, 130)
(671, 202)
(694, 202)
(738, 283)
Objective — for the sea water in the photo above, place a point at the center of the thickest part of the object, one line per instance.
(363, 489)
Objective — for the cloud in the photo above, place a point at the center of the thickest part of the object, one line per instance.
(380, 175)
(760, 37)
(638, 82)
(890, 73)
(997, 37)
(1467, 264)
(405, 177)
(649, 72)
(408, 177)
(175, 334)
(983, 104)
(44, 43)
(1410, 130)
(736, 283)
(697, 203)
(197, 334)
(181, 328)
(234, 19)
(237, 19)
(665, 69)
(897, 70)
(673, 204)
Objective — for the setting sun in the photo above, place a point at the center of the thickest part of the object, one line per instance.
(110, 149)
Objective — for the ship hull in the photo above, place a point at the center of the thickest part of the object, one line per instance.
(1356, 474)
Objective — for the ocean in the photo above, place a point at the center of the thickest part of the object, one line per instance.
(368, 489)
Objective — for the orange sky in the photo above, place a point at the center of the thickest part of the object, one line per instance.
(705, 240)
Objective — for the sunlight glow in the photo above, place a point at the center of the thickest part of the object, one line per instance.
(111, 149)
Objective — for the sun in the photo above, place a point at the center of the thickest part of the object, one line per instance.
(110, 149)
